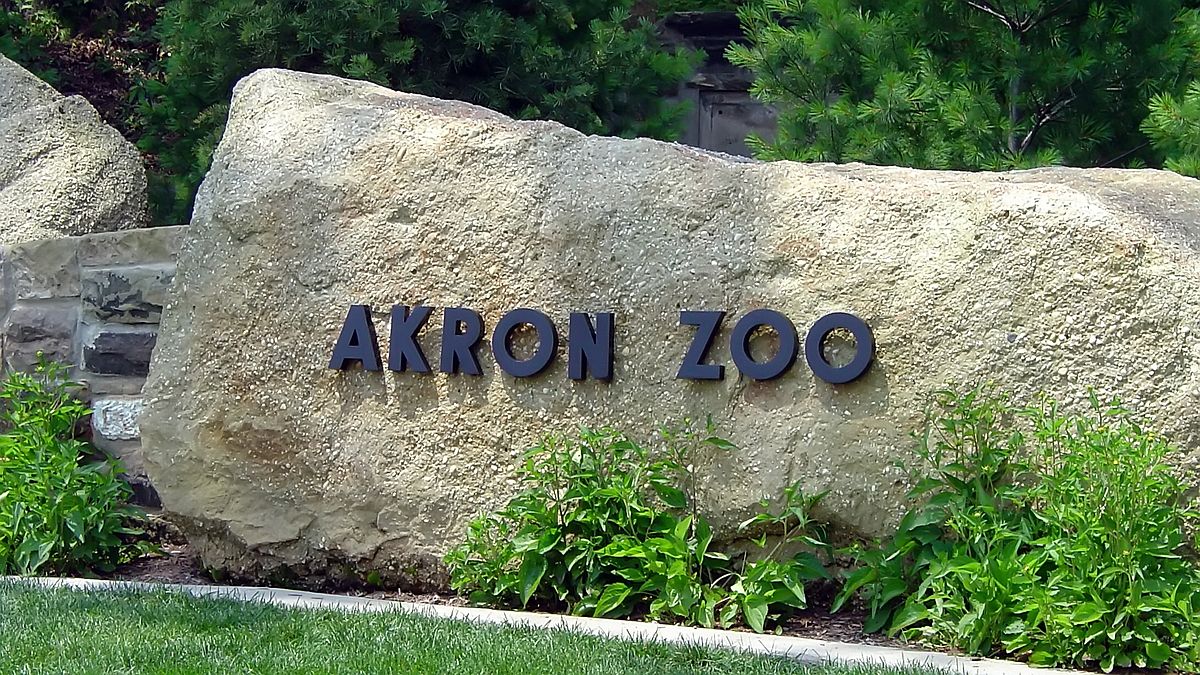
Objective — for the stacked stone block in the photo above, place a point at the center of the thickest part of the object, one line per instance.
(94, 302)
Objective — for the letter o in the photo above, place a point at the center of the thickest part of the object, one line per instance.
(863, 355)
(547, 342)
(739, 344)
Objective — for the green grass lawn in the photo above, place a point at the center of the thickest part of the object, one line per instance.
(45, 631)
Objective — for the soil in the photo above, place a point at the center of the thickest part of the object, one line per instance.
(102, 53)
(176, 563)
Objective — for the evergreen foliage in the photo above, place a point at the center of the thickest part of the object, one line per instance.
(964, 84)
(670, 6)
(584, 63)
(1174, 128)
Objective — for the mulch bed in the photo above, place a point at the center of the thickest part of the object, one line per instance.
(176, 563)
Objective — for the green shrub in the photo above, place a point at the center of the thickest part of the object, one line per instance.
(585, 64)
(1054, 537)
(24, 33)
(610, 528)
(59, 512)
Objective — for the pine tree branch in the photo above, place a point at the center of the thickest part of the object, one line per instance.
(1030, 24)
(1123, 155)
(1046, 114)
(1014, 89)
(987, 8)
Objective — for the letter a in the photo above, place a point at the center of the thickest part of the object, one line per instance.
(357, 342)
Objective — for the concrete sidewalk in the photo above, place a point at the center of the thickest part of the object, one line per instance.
(804, 650)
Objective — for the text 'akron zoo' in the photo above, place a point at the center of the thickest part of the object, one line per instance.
(590, 343)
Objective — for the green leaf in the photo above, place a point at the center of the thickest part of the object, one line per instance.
(682, 528)
(704, 536)
(876, 620)
(754, 608)
(75, 524)
(671, 496)
(911, 613)
(890, 589)
(1086, 613)
(720, 443)
(922, 517)
(855, 581)
(728, 615)
(796, 590)
(1042, 657)
(611, 598)
(533, 567)
(1159, 652)
(809, 567)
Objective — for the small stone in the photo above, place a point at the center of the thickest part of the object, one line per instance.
(30, 329)
(45, 269)
(119, 352)
(127, 294)
(116, 419)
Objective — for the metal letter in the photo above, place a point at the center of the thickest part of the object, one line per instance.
(459, 346)
(693, 366)
(590, 348)
(739, 344)
(863, 355)
(404, 353)
(547, 342)
(357, 342)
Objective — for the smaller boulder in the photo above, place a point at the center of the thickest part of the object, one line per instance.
(63, 170)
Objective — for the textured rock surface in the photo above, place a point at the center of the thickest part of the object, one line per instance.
(116, 419)
(48, 329)
(63, 171)
(113, 350)
(147, 245)
(326, 192)
(44, 269)
(126, 295)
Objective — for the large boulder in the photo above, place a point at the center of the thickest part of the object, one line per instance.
(63, 171)
(326, 193)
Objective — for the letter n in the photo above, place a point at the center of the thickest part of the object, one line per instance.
(590, 348)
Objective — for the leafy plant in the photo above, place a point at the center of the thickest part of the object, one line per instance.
(1054, 537)
(59, 510)
(772, 581)
(611, 528)
(25, 30)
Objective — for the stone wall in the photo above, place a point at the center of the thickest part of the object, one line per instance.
(93, 301)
